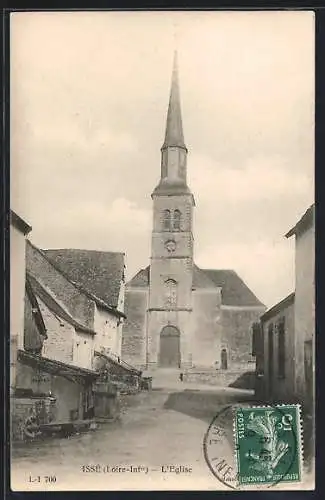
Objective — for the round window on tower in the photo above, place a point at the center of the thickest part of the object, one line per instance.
(170, 246)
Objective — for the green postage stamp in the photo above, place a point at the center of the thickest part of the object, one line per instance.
(268, 444)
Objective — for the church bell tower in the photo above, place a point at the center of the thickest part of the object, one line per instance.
(171, 268)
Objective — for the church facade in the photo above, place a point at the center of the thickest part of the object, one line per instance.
(178, 315)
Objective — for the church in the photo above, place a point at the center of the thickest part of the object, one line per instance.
(178, 315)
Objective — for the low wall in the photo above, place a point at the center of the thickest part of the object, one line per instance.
(222, 378)
(23, 408)
(106, 401)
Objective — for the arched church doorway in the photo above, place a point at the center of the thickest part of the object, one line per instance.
(224, 359)
(169, 352)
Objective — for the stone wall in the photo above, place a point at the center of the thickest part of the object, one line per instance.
(83, 350)
(222, 378)
(107, 332)
(17, 285)
(134, 327)
(280, 388)
(68, 394)
(60, 335)
(304, 304)
(78, 304)
(22, 408)
(237, 333)
(206, 327)
(17, 298)
(69, 398)
(28, 378)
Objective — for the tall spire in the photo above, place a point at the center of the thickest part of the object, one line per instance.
(174, 128)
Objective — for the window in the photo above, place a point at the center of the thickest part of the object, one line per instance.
(170, 293)
(281, 348)
(177, 220)
(166, 220)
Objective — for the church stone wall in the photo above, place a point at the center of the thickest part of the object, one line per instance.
(237, 334)
(183, 240)
(157, 320)
(206, 328)
(182, 203)
(178, 269)
(134, 327)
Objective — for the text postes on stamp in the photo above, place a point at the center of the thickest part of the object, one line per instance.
(268, 447)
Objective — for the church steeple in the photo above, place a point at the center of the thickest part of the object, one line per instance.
(173, 178)
(174, 127)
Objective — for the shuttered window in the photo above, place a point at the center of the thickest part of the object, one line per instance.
(166, 220)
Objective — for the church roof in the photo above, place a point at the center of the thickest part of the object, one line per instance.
(201, 280)
(234, 291)
(100, 273)
(174, 128)
(141, 279)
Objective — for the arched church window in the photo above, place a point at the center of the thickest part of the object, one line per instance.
(166, 220)
(177, 220)
(170, 293)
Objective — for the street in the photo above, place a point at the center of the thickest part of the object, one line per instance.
(158, 440)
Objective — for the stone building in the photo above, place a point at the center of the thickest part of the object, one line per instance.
(179, 315)
(304, 233)
(51, 387)
(274, 351)
(101, 275)
(81, 297)
(19, 230)
(284, 344)
(62, 274)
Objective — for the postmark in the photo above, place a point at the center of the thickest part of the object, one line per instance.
(255, 447)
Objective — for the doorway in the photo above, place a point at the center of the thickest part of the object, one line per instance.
(224, 359)
(169, 352)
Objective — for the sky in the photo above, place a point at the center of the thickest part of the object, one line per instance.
(89, 97)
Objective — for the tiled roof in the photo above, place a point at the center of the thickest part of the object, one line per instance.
(280, 306)
(201, 279)
(100, 273)
(54, 305)
(234, 291)
(141, 279)
(54, 366)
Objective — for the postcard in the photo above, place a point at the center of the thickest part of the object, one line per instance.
(162, 245)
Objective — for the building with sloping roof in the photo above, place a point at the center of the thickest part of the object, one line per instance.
(101, 273)
(285, 359)
(304, 234)
(179, 315)
(62, 280)
(19, 230)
